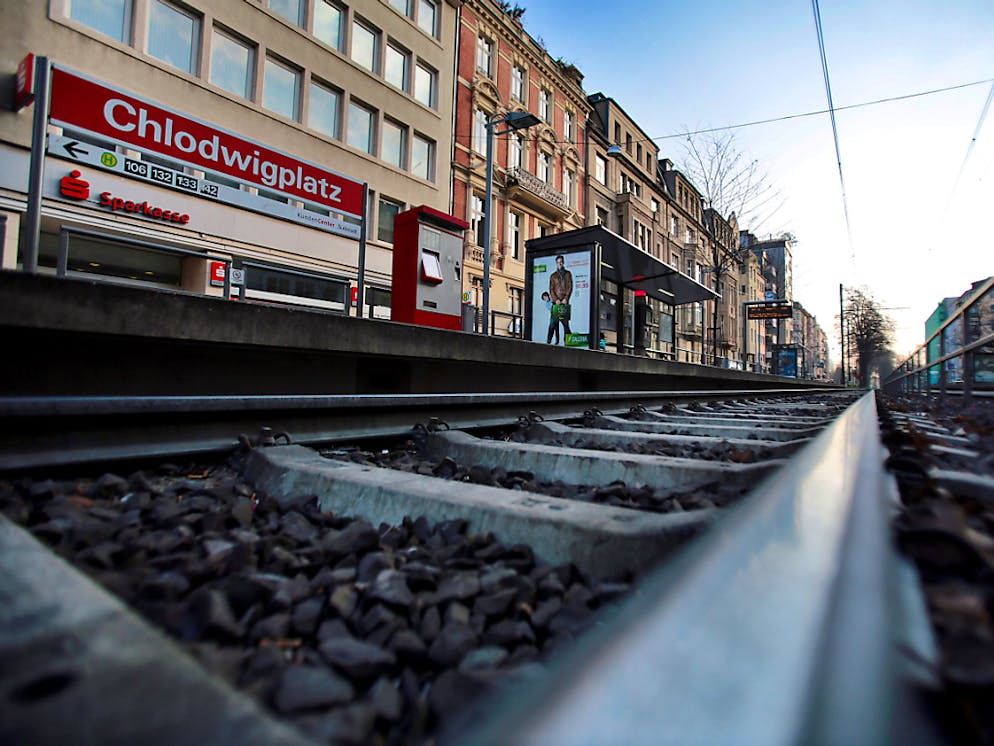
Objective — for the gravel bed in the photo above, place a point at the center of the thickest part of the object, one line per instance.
(950, 537)
(354, 633)
(617, 494)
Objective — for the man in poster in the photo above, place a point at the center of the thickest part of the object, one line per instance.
(560, 290)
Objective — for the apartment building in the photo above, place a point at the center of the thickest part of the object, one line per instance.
(538, 172)
(625, 196)
(725, 328)
(257, 122)
(811, 343)
(752, 288)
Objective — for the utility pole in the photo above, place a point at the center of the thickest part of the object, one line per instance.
(842, 332)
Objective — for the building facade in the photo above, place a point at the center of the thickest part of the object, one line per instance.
(359, 91)
(538, 172)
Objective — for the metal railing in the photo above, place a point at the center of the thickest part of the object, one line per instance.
(62, 259)
(971, 361)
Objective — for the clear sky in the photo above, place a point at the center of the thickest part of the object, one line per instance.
(921, 224)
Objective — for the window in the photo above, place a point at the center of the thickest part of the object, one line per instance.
(484, 54)
(479, 131)
(638, 153)
(397, 64)
(384, 221)
(402, 6)
(232, 64)
(674, 226)
(476, 220)
(425, 83)
(514, 154)
(292, 10)
(110, 17)
(600, 169)
(323, 110)
(174, 36)
(617, 134)
(518, 84)
(364, 46)
(360, 133)
(569, 179)
(602, 217)
(690, 236)
(654, 204)
(514, 234)
(545, 105)
(423, 158)
(514, 301)
(568, 126)
(544, 167)
(427, 17)
(392, 143)
(281, 86)
(328, 23)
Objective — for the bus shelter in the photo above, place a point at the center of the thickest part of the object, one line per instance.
(574, 289)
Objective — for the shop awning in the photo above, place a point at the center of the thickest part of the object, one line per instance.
(626, 264)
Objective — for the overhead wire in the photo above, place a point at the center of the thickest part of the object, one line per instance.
(835, 130)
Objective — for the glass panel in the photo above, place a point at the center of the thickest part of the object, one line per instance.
(289, 9)
(322, 113)
(423, 158)
(280, 89)
(424, 85)
(328, 24)
(392, 146)
(384, 222)
(172, 36)
(396, 67)
(231, 65)
(402, 6)
(360, 128)
(364, 46)
(110, 17)
(426, 16)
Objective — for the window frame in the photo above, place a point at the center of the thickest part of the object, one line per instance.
(401, 152)
(374, 32)
(127, 21)
(417, 138)
(298, 75)
(194, 65)
(484, 55)
(337, 44)
(433, 84)
(250, 71)
(339, 96)
(356, 105)
(433, 31)
(405, 56)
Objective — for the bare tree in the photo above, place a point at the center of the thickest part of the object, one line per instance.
(869, 333)
(729, 180)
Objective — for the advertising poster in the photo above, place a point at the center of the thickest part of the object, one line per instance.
(787, 362)
(561, 299)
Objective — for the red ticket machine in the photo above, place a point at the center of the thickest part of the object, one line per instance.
(427, 268)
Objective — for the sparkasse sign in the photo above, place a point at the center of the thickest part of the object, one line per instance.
(80, 103)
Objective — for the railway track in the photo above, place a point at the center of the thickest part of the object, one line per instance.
(621, 565)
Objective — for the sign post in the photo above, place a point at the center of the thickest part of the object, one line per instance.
(36, 168)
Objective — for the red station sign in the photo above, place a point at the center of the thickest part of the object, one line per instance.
(80, 103)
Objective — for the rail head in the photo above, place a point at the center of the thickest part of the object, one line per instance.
(773, 628)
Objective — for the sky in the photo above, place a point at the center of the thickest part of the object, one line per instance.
(919, 208)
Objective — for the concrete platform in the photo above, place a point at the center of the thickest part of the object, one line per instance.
(87, 337)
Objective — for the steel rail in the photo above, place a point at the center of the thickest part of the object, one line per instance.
(780, 626)
(55, 431)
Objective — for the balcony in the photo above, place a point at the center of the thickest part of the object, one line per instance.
(531, 190)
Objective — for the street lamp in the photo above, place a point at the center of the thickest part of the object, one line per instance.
(515, 120)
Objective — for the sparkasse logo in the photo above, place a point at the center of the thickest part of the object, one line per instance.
(74, 187)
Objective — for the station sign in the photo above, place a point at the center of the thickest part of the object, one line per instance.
(777, 309)
(84, 104)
